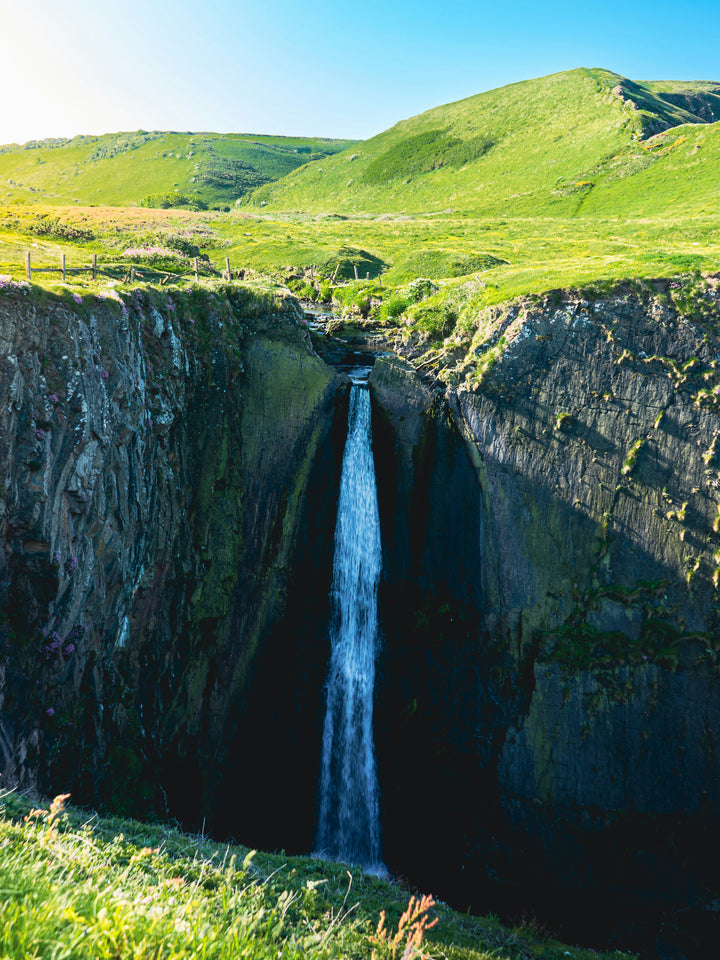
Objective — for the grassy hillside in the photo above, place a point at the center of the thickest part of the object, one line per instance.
(701, 98)
(561, 181)
(530, 149)
(76, 885)
(128, 168)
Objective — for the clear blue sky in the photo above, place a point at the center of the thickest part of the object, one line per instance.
(317, 67)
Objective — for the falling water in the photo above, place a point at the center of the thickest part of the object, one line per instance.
(348, 825)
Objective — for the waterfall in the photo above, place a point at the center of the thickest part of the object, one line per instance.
(348, 823)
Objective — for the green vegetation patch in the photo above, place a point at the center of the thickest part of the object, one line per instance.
(578, 645)
(351, 263)
(439, 264)
(76, 885)
(423, 152)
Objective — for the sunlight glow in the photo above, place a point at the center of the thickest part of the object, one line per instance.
(313, 70)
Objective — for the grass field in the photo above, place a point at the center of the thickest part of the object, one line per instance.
(533, 253)
(557, 182)
(76, 885)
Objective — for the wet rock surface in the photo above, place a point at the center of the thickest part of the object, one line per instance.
(155, 462)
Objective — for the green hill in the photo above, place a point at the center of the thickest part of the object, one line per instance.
(157, 168)
(546, 147)
(561, 181)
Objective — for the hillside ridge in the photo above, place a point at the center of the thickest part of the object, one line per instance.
(153, 168)
(505, 151)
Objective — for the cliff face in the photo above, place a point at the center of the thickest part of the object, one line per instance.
(548, 689)
(580, 757)
(156, 456)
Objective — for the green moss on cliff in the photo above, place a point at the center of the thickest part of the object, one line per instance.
(649, 636)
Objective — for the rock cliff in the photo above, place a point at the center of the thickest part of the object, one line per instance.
(156, 451)
(572, 721)
(548, 690)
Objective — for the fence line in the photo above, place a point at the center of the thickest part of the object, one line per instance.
(132, 273)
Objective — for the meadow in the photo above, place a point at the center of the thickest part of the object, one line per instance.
(575, 178)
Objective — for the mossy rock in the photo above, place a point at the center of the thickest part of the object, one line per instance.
(343, 264)
(439, 264)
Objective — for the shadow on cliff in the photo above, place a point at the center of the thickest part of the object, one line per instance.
(270, 771)
(456, 679)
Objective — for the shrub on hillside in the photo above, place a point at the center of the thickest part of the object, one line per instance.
(164, 201)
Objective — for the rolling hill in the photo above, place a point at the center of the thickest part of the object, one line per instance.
(564, 180)
(583, 139)
(155, 168)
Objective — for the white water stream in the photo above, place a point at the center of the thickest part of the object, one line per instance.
(348, 824)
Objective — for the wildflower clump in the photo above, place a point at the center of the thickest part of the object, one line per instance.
(412, 927)
(149, 252)
(13, 286)
(50, 819)
(52, 646)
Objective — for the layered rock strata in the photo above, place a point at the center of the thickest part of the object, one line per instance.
(579, 757)
(156, 450)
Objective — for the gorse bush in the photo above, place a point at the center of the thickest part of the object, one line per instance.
(164, 201)
(59, 230)
(420, 289)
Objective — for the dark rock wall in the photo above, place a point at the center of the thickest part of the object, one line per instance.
(567, 753)
(428, 711)
(274, 756)
(156, 456)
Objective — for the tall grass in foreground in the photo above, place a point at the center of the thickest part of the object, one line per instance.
(76, 885)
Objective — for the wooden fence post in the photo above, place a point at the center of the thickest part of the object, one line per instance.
(355, 269)
(28, 268)
(197, 269)
(227, 267)
(62, 265)
(94, 266)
